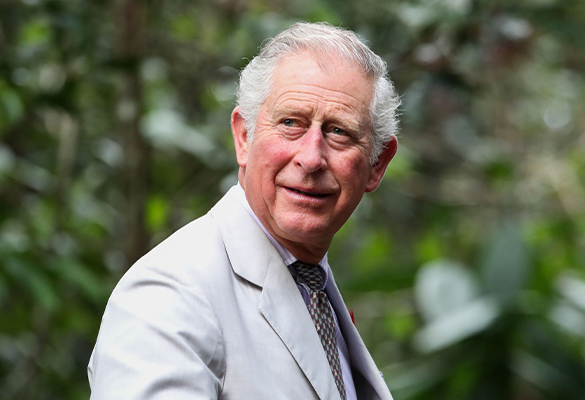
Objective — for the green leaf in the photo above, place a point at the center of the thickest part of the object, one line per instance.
(157, 211)
(36, 31)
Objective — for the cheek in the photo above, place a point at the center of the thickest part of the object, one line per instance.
(268, 161)
(276, 154)
(351, 172)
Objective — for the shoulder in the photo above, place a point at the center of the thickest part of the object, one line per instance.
(193, 262)
(160, 312)
(188, 251)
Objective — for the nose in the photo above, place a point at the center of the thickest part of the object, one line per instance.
(311, 151)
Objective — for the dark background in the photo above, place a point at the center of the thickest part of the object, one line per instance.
(465, 269)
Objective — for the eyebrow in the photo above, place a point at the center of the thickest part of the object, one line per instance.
(346, 123)
(354, 126)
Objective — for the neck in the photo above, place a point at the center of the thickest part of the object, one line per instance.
(307, 254)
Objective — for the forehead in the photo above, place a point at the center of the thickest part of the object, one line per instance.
(330, 78)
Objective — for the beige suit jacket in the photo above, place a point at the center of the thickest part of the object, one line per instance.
(213, 313)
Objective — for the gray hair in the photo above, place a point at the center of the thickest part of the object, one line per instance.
(321, 40)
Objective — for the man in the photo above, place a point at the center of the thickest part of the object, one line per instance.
(241, 303)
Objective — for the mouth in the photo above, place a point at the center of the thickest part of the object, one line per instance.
(310, 194)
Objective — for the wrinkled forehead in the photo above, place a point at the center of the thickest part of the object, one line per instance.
(333, 82)
(301, 65)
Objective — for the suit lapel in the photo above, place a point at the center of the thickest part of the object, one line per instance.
(284, 309)
(372, 386)
(255, 259)
(247, 247)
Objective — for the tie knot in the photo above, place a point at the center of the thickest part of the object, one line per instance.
(311, 275)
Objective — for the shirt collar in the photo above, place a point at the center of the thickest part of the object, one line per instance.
(286, 255)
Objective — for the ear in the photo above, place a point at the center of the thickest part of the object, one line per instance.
(377, 170)
(240, 137)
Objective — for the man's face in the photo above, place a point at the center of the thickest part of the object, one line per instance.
(308, 165)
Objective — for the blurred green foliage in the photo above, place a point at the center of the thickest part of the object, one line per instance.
(464, 269)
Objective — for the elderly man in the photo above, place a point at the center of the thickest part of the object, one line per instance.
(241, 303)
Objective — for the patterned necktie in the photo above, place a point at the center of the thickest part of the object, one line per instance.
(322, 316)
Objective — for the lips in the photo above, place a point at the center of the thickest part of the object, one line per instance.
(310, 194)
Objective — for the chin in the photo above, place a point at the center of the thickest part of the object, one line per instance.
(306, 231)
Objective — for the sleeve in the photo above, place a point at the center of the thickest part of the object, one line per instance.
(159, 339)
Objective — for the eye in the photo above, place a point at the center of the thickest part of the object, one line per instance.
(289, 122)
(338, 131)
